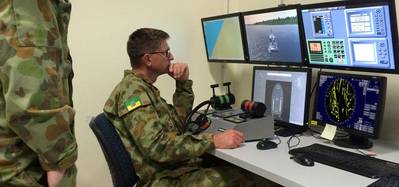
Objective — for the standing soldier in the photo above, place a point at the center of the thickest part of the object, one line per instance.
(37, 142)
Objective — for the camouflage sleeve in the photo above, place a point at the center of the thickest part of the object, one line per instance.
(183, 98)
(159, 140)
(35, 79)
(38, 105)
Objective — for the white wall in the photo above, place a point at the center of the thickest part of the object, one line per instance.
(97, 37)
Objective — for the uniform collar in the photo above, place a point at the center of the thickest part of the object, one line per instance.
(133, 73)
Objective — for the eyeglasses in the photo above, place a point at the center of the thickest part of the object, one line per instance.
(167, 53)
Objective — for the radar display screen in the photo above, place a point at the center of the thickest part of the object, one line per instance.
(340, 100)
(352, 102)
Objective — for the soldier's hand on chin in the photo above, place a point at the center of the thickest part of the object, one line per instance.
(228, 139)
(54, 177)
(179, 71)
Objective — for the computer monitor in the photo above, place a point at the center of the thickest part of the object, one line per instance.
(285, 92)
(353, 35)
(274, 36)
(354, 103)
(223, 38)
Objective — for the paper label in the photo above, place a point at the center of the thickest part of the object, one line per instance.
(329, 132)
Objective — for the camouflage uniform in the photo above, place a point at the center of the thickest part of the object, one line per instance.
(36, 115)
(153, 133)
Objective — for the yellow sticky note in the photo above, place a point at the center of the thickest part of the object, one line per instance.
(329, 132)
(313, 123)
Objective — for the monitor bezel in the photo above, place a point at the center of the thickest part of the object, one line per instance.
(300, 29)
(238, 15)
(380, 109)
(356, 4)
(307, 90)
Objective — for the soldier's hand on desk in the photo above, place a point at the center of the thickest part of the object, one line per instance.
(179, 71)
(228, 139)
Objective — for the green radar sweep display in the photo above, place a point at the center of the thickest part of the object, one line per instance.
(340, 100)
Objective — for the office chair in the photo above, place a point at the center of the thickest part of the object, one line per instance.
(118, 159)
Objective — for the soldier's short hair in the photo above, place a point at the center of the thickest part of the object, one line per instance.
(144, 40)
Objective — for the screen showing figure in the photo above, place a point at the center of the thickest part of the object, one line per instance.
(273, 36)
(349, 35)
(223, 39)
(352, 102)
(284, 92)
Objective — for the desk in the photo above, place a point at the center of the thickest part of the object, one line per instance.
(276, 165)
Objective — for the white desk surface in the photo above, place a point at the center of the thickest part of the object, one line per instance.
(276, 165)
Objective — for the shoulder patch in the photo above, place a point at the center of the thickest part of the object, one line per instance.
(132, 103)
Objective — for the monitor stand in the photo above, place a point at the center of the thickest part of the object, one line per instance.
(354, 142)
(285, 132)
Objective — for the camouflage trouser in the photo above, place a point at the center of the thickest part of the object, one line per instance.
(28, 179)
(216, 176)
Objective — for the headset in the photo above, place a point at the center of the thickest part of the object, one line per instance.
(201, 122)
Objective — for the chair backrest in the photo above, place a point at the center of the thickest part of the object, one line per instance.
(118, 159)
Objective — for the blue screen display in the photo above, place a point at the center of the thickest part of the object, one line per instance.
(350, 102)
(223, 40)
(349, 37)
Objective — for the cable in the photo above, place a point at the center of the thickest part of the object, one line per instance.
(278, 138)
(339, 134)
(281, 3)
(313, 132)
(228, 7)
(289, 142)
(314, 85)
(190, 115)
(275, 137)
(223, 64)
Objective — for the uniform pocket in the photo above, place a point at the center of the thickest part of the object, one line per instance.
(35, 22)
(24, 179)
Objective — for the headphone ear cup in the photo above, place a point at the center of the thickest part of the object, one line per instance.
(193, 127)
(202, 123)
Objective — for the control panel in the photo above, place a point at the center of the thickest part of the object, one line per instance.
(350, 36)
(366, 22)
(369, 51)
(322, 24)
(330, 51)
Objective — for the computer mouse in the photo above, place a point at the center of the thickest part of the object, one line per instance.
(302, 159)
(266, 144)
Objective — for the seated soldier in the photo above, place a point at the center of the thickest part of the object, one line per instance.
(153, 131)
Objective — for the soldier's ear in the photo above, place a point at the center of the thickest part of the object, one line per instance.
(147, 59)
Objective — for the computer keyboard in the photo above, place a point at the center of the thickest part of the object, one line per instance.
(386, 181)
(352, 162)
